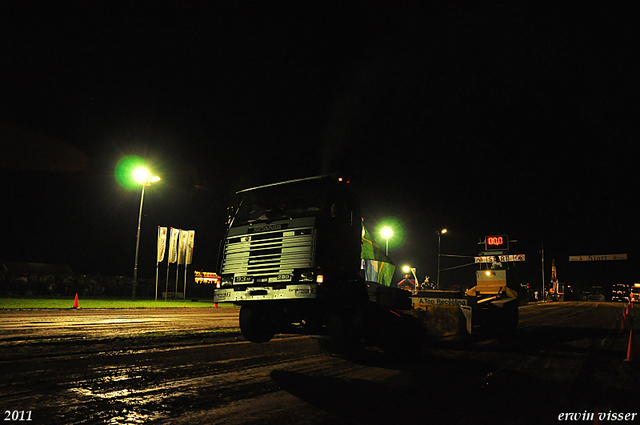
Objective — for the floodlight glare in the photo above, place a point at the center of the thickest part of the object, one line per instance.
(386, 232)
(141, 175)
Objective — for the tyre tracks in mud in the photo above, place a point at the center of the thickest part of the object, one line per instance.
(151, 379)
(191, 375)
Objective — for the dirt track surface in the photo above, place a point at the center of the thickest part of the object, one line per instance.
(19, 325)
(565, 358)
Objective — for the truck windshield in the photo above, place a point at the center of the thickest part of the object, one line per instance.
(299, 199)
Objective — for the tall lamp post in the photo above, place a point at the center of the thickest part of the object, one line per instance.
(386, 233)
(440, 233)
(142, 176)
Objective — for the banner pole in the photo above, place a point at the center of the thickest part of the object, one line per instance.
(177, 269)
(162, 247)
(166, 283)
(184, 294)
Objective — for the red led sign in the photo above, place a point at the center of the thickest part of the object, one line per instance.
(496, 243)
(495, 240)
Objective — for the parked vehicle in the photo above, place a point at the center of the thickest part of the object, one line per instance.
(620, 292)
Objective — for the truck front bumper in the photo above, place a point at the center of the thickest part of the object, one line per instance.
(265, 293)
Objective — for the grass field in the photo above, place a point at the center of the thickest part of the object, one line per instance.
(101, 302)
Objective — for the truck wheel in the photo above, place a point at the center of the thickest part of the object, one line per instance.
(346, 330)
(256, 324)
(348, 321)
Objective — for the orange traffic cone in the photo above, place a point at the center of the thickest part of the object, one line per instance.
(623, 324)
(633, 352)
(75, 303)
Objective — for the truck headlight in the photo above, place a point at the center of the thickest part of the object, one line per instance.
(306, 276)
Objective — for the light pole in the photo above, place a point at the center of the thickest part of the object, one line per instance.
(440, 233)
(143, 177)
(386, 233)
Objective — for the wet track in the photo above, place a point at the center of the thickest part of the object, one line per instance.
(193, 366)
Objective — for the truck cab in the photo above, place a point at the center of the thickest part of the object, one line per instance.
(292, 249)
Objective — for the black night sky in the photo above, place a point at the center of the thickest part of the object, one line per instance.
(507, 118)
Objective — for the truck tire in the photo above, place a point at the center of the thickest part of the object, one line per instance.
(347, 321)
(256, 323)
(346, 329)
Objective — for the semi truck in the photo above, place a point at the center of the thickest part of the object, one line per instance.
(291, 259)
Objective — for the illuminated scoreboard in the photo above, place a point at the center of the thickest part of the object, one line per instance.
(496, 243)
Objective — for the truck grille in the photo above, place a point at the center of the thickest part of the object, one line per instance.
(269, 254)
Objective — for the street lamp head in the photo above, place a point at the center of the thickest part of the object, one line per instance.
(386, 232)
(443, 231)
(140, 175)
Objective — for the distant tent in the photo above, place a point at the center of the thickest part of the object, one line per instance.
(377, 266)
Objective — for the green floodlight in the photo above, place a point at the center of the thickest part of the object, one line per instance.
(124, 171)
(131, 172)
(141, 175)
(391, 231)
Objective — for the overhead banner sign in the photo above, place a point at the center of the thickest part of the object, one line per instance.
(608, 257)
(499, 258)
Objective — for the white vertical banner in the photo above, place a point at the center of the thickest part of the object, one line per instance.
(162, 245)
(171, 255)
(179, 256)
(173, 245)
(182, 244)
(190, 243)
(188, 256)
